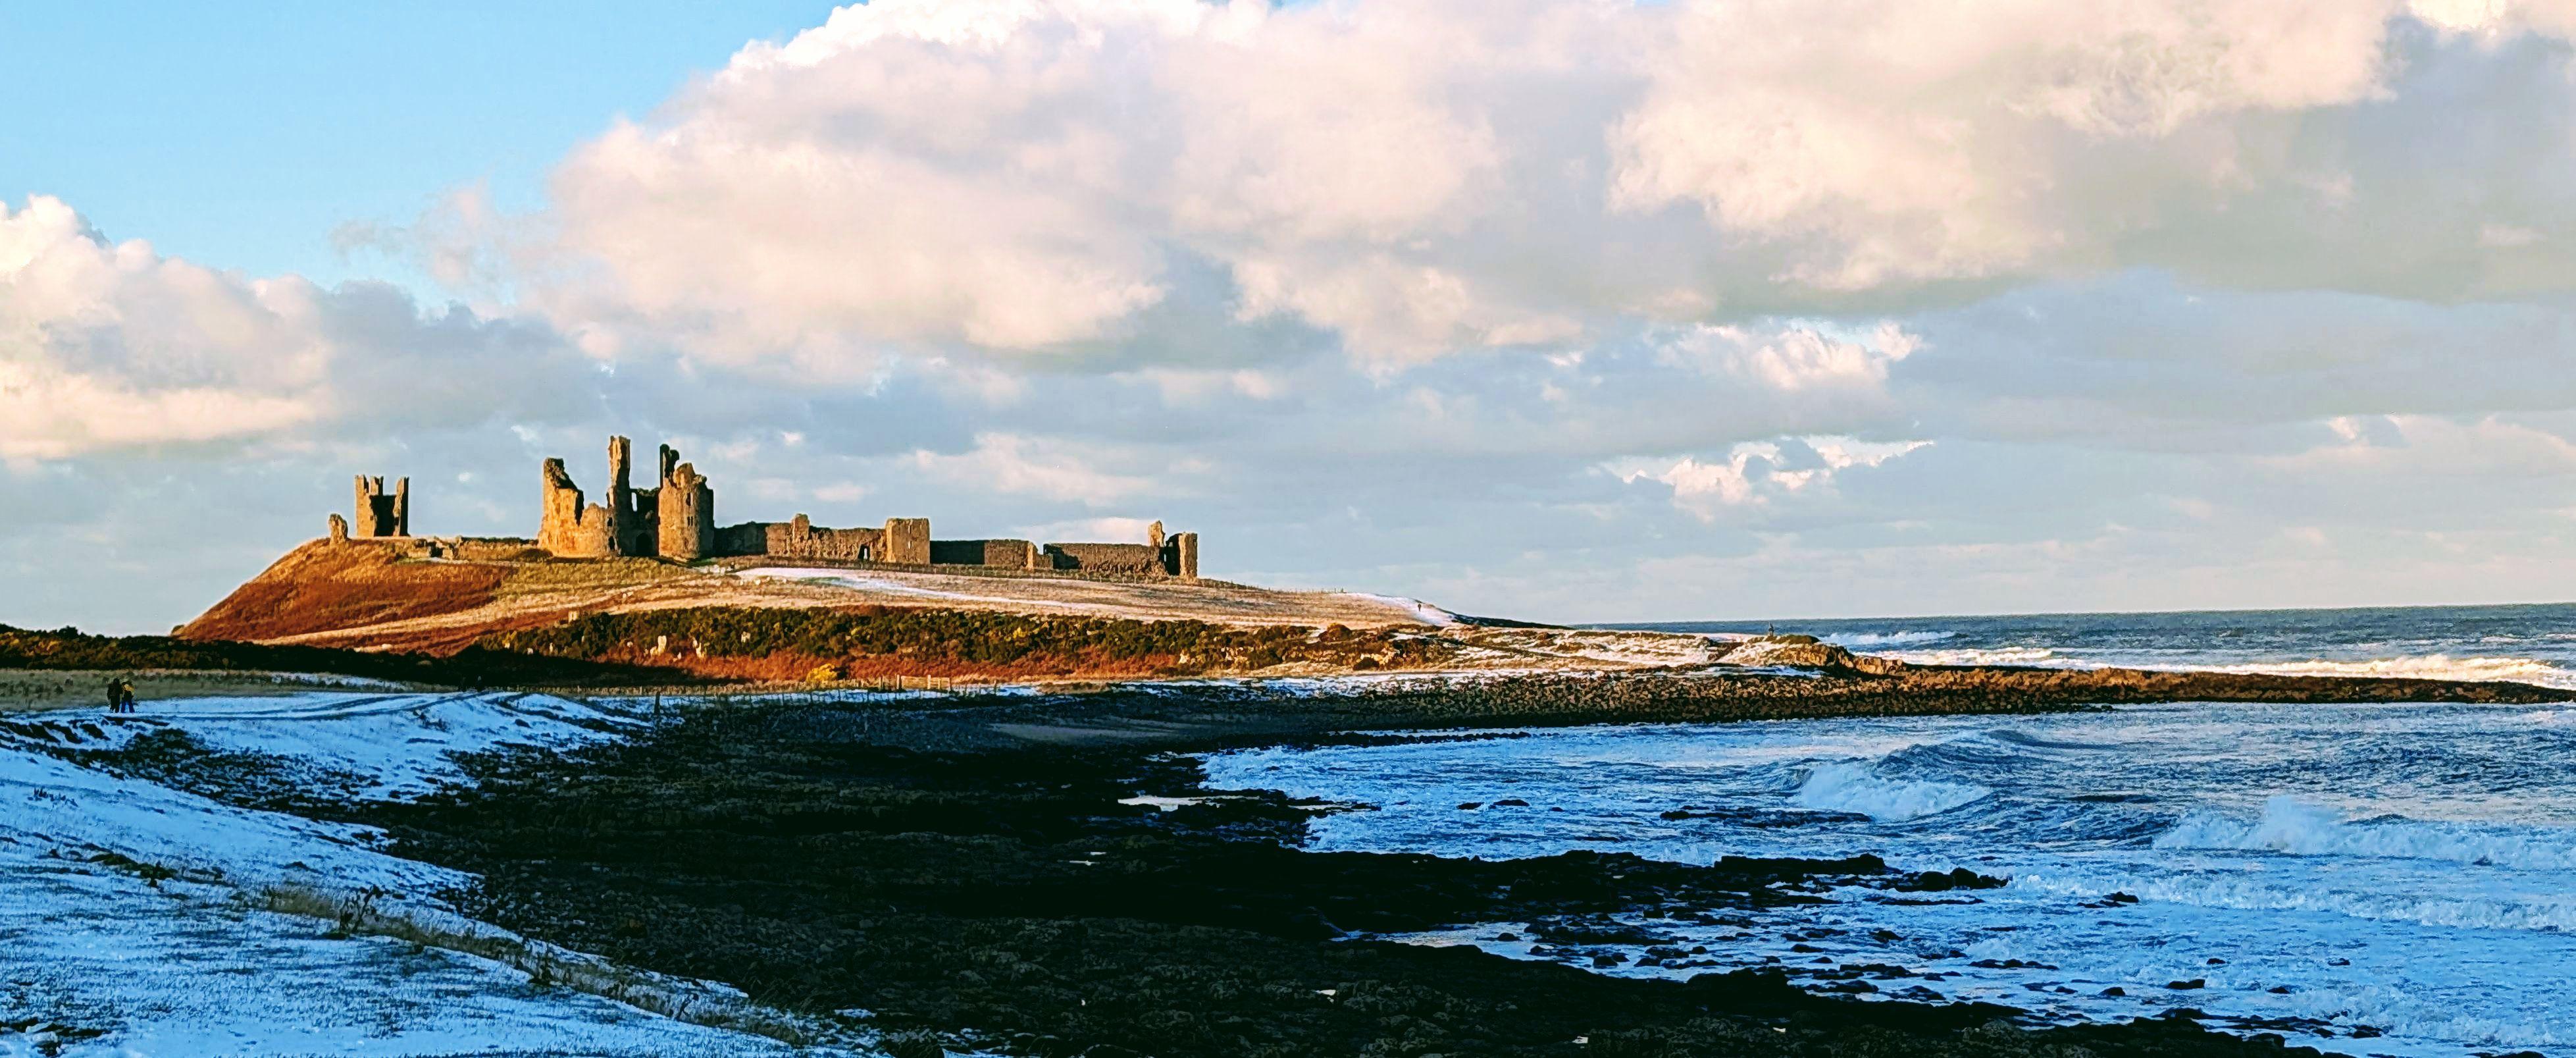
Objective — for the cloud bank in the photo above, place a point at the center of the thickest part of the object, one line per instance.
(1581, 310)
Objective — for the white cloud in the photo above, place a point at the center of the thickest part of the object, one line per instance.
(2406, 445)
(1104, 181)
(1796, 356)
(1043, 467)
(110, 346)
(1091, 530)
(113, 346)
(1755, 473)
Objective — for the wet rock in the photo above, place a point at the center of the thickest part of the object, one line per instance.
(2185, 986)
(1511, 802)
(1807, 652)
(1944, 881)
(2115, 991)
(1596, 931)
(1791, 867)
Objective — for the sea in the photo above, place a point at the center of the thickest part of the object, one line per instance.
(2365, 879)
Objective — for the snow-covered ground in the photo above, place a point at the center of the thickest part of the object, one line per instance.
(134, 914)
(1422, 611)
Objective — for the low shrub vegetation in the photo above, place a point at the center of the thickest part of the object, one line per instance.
(874, 640)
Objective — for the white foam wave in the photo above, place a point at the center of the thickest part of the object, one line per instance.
(2422, 667)
(2260, 893)
(1981, 656)
(1852, 787)
(2298, 828)
(2470, 669)
(1858, 640)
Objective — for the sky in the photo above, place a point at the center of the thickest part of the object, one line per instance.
(1569, 310)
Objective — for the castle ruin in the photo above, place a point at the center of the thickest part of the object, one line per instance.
(675, 520)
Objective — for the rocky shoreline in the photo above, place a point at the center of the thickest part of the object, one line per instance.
(1049, 875)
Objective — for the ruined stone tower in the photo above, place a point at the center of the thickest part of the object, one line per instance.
(622, 534)
(687, 511)
(380, 514)
(675, 518)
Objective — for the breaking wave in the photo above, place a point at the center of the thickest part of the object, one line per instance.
(1981, 656)
(2422, 667)
(2473, 669)
(2292, 826)
(2464, 910)
(1857, 640)
(1852, 787)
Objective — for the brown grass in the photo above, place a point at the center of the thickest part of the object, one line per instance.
(554, 576)
(320, 586)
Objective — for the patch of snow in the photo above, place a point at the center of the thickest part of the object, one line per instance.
(402, 744)
(193, 963)
(194, 969)
(1422, 611)
(842, 578)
